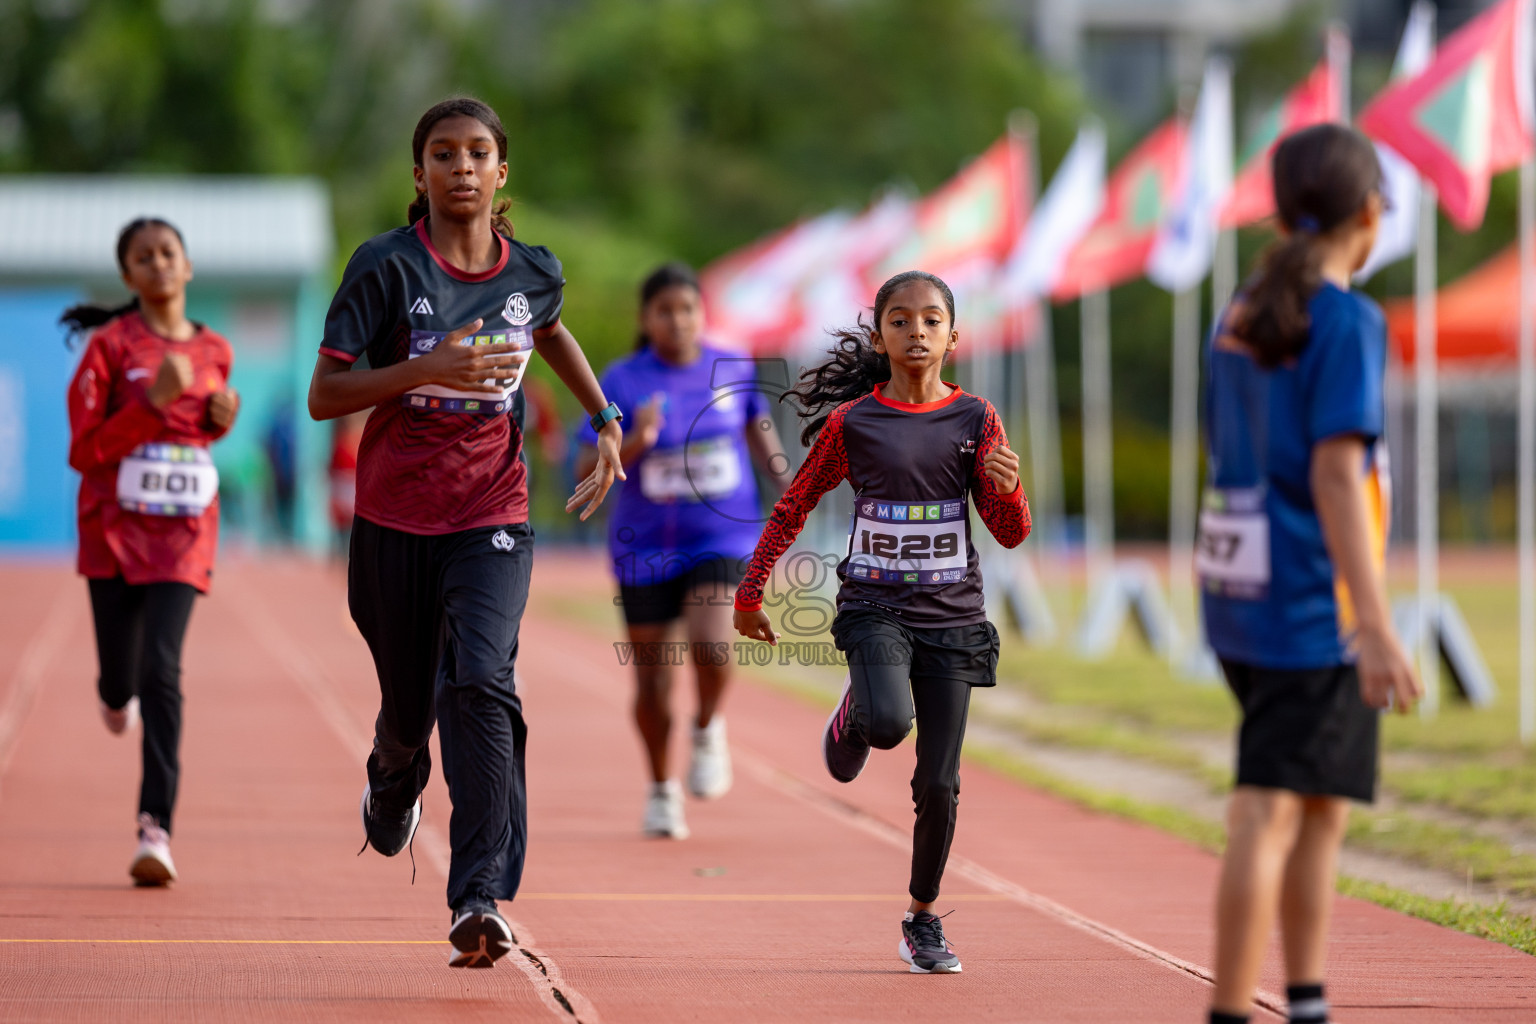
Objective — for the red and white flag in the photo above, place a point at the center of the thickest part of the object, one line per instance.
(1137, 201)
(1315, 101)
(967, 227)
(1468, 115)
(752, 296)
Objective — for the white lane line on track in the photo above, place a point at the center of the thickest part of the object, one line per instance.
(32, 667)
(790, 785)
(764, 771)
(317, 684)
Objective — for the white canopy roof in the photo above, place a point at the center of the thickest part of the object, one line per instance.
(68, 225)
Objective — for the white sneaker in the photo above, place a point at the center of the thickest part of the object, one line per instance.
(152, 864)
(709, 774)
(122, 719)
(664, 811)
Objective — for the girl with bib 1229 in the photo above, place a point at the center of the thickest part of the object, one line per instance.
(910, 615)
(1290, 557)
(684, 525)
(448, 311)
(150, 395)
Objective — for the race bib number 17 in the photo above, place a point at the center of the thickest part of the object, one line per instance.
(1232, 550)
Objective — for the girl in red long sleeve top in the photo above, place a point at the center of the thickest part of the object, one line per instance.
(910, 615)
(148, 398)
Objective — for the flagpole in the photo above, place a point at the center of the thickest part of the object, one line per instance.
(1340, 54)
(1098, 441)
(1427, 437)
(1044, 428)
(1527, 450)
(1184, 460)
(1039, 365)
(1224, 270)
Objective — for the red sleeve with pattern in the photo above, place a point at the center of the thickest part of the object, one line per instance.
(824, 468)
(1006, 515)
(97, 439)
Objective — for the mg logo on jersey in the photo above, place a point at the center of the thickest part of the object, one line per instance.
(421, 307)
(968, 446)
(502, 541)
(517, 313)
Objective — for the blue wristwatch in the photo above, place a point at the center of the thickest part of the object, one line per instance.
(605, 416)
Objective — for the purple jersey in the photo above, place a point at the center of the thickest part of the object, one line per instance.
(693, 496)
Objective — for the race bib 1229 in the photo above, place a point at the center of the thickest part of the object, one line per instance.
(917, 543)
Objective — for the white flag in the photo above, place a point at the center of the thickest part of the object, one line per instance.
(1182, 255)
(1064, 214)
(1400, 182)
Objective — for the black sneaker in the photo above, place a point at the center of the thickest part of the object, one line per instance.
(387, 833)
(923, 946)
(842, 750)
(480, 935)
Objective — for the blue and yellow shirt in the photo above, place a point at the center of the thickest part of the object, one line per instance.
(1269, 591)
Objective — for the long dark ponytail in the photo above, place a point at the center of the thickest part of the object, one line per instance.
(855, 367)
(1323, 175)
(88, 316)
(460, 106)
(668, 275)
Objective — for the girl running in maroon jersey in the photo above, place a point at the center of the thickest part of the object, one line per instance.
(149, 396)
(448, 310)
(910, 615)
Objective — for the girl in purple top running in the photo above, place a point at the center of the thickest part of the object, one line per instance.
(685, 524)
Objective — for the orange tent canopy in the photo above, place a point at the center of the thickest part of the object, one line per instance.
(1478, 317)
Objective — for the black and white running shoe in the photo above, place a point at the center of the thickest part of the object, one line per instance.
(841, 748)
(480, 936)
(388, 833)
(923, 947)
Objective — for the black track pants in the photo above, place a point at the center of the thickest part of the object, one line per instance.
(899, 674)
(441, 616)
(139, 633)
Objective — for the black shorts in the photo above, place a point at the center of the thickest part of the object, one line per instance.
(966, 654)
(1305, 730)
(652, 603)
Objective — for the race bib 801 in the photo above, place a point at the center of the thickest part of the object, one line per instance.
(916, 543)
(167, 480)
(436, 398)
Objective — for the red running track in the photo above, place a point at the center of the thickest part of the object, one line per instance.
(783, 907)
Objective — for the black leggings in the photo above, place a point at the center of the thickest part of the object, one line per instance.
(899, 673)
(139, 632)
(441, 615)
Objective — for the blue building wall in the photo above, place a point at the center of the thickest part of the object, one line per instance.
(273, 328)
(37, 487)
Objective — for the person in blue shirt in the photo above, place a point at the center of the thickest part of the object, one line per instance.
(1291, 556)
(685, 523)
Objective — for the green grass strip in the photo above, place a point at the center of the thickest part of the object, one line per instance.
(1497, 923)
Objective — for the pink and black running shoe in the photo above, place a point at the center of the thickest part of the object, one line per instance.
(843, 749)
